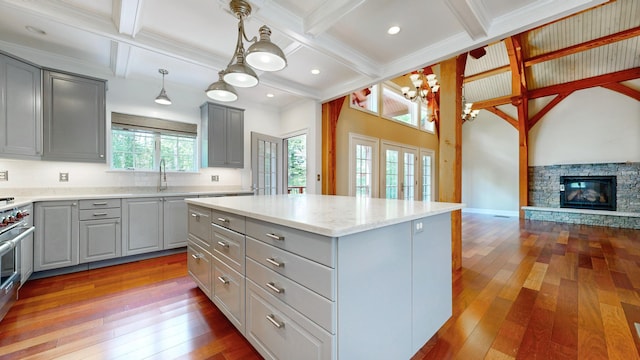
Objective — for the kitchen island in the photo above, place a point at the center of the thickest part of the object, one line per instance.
(325, 277)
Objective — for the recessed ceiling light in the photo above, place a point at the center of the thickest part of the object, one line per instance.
(315, 71)
(270, 95)
(393, 30)
(35, 30)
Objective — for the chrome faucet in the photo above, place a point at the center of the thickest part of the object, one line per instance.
(162, 176)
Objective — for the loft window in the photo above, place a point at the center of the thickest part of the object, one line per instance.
(140, 143)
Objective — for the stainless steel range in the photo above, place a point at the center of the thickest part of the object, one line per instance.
(15, 225)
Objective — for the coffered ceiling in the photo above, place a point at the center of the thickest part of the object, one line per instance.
(346, 40)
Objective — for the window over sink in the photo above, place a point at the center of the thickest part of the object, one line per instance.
(140, 143)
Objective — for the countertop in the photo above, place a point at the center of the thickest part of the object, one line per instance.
(327, 215)
(25, 200)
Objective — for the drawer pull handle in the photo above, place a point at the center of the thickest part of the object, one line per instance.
(100, 204)
(223, 244)
(223, 220)
(197, 256)
(99, 214)
(274, 288)
(273, 262)
(275, 237)
(223, 280)
(195, 216)
(275, 322)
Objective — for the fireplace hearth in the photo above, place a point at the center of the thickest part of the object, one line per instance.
(588, 192)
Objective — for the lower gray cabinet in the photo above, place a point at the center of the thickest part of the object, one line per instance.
(142, 229)
(175, 222)
(100, 240)
(56, 240)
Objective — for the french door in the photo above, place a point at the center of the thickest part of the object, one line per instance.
(398, 172)
(266, 164)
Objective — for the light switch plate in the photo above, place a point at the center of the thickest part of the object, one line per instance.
(64, 177)
(4, 175)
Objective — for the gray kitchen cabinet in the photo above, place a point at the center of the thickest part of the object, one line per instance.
(142, 229)
(73, 117)
(26, 250)
(100, 231)
(56, 240)
(222, 136)
(175, 222)
(20, 110)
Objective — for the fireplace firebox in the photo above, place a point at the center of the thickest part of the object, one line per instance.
(588, 192)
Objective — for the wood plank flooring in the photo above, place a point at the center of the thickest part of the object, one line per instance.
(527, 290)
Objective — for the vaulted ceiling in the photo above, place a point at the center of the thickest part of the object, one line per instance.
(345, 39)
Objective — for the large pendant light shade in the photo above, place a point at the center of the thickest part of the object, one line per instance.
(221, 91)
(265, 55)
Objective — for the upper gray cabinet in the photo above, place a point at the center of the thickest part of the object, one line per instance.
(222, 136)
(20, 110)
(74, 117)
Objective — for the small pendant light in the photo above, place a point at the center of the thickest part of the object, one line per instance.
(163, 99)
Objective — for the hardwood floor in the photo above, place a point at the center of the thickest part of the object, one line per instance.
(527, 290)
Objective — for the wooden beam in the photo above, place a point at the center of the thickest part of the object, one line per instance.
(601, 80)
(485, 104)
(486, 74)
(587, 45)
(624, 90)
(450, 148)
(534, 120)
(503, 115)
(330, 115)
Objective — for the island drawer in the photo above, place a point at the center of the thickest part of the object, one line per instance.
(318, 309)
(98, 204)
(229, 247)
(199, 266)
(279, 332)
(228, 220)
(200, 222)
(99, 214)
(312, 275)
(228, 288)
(311, 246)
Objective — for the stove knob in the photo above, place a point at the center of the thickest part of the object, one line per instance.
(19, 215)
(11, 219)
(4, 222)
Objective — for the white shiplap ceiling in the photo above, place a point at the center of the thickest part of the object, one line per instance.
(345, 39)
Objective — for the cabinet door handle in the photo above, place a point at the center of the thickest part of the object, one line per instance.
(100, 204)
(275, 322)
(223, 220)
(275, 237)
(197, 256)
(195, 216)
(274, 288)
(223, 244)
(275, 263)
(99, 214)
(223, 280)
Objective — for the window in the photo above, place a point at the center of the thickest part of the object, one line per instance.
(363, 166)
(139, 143)
(365, 99)
(395, 106)
(296, 164)
(427, 173)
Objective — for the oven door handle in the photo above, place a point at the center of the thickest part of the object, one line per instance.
(8, 245)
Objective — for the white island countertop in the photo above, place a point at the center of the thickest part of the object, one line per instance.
(327, 215)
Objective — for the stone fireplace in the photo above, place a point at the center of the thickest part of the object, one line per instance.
(593, 194)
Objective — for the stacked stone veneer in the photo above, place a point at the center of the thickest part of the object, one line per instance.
(544, 192)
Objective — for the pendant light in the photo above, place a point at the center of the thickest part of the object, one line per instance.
(262, 55)
(163, 99)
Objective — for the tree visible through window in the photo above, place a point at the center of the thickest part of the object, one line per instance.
(296, 164)
(142, 150)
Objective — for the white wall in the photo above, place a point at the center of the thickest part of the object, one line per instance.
(134, 96)
(490, 165)
(304, 117)
(590, 126)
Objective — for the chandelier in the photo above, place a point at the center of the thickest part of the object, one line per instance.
(468, 114)
(420, 92)
(262, 55)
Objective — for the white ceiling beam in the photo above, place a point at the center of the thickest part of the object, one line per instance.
(327, 14)
(280, 18)
(126, 16)
(472, 15)
(119, 62)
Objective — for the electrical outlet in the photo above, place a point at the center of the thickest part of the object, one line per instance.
(215, 178)
(4, 175)
(64, 177)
